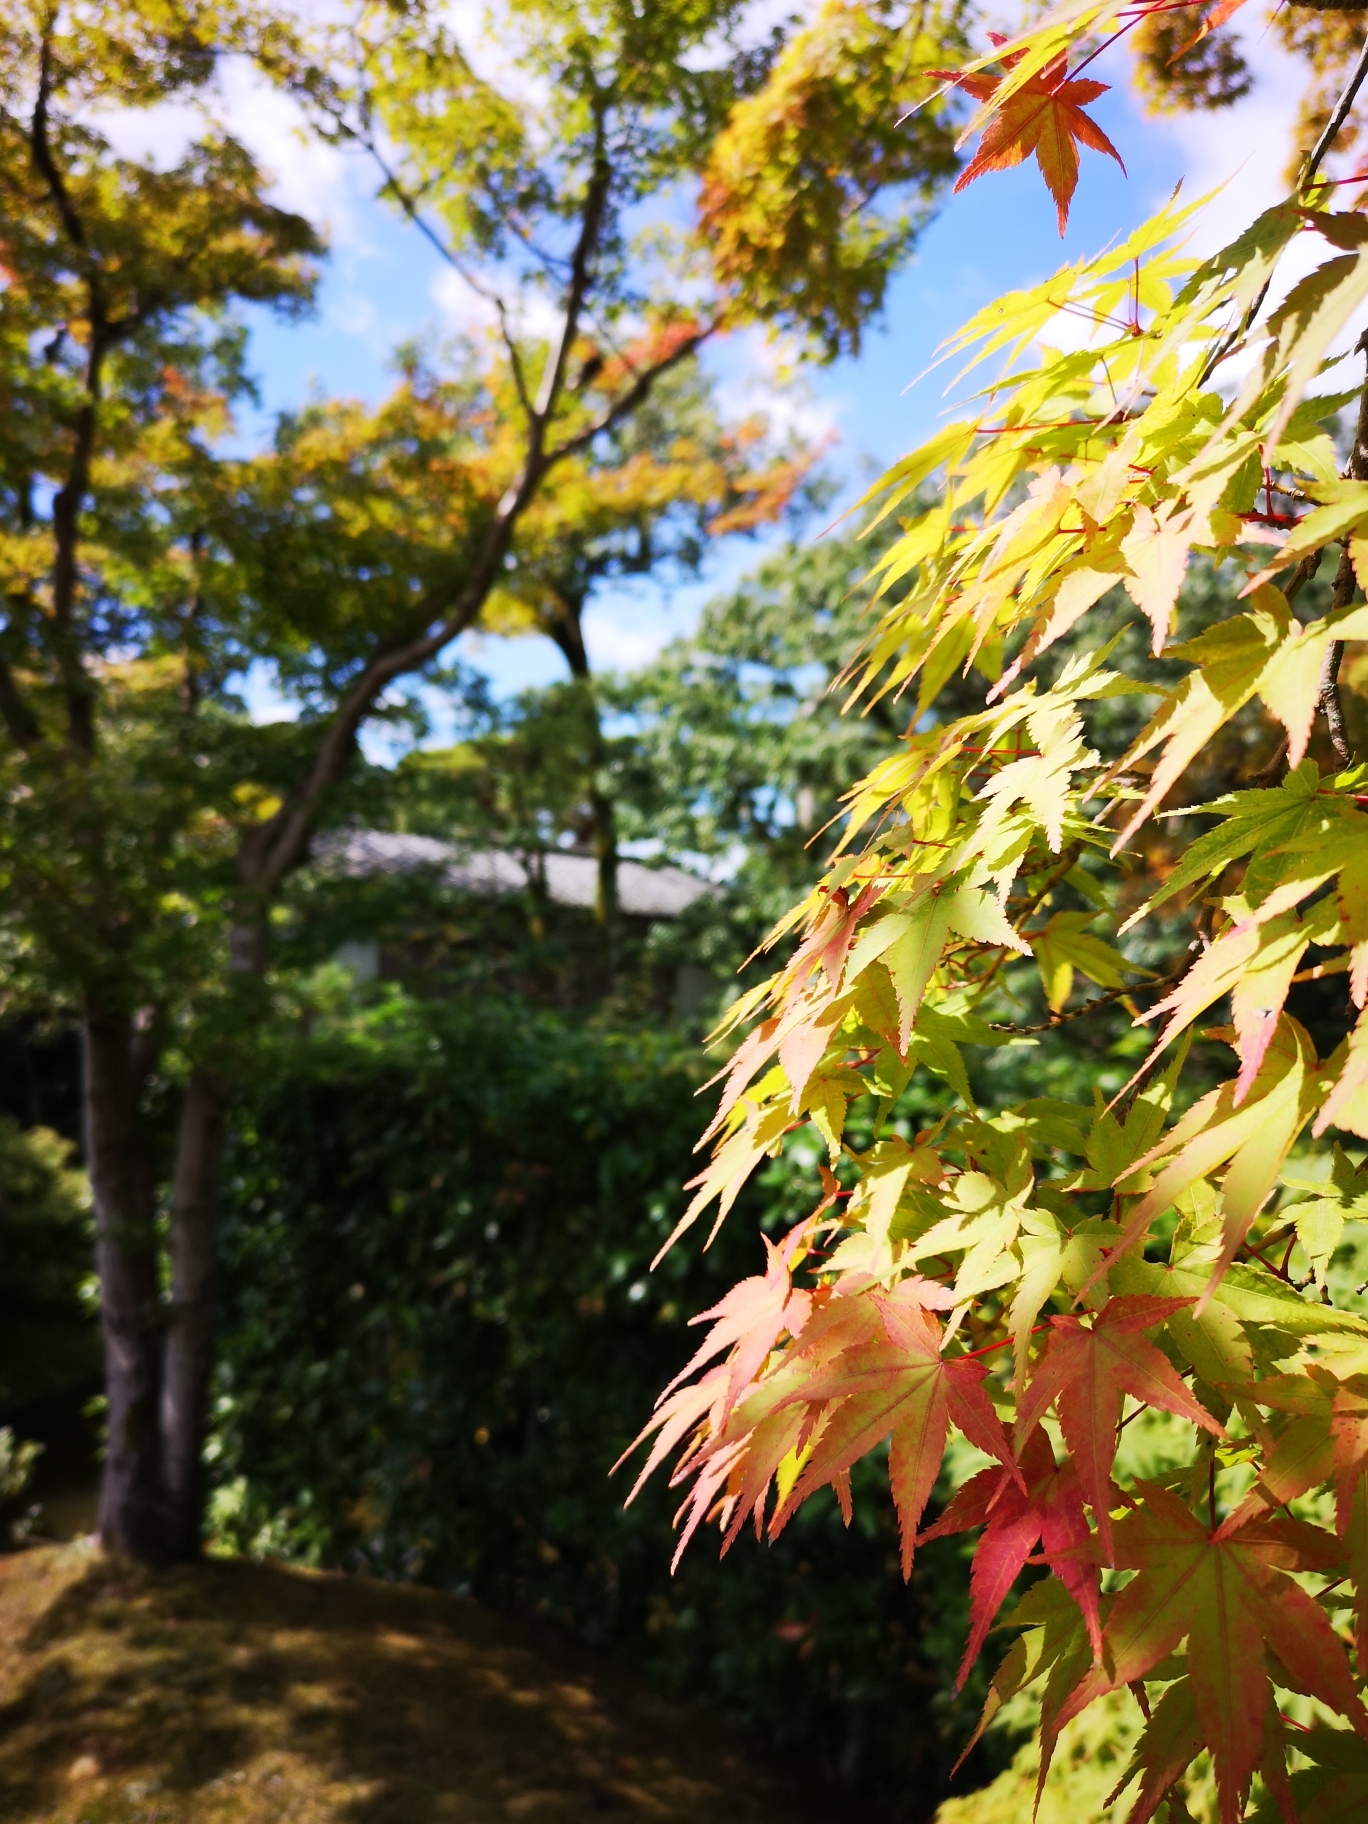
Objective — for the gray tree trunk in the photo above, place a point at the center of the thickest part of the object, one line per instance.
(189, 1353)
(133, 1518)
(158, 1354)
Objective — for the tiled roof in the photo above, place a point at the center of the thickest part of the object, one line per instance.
(571, 875)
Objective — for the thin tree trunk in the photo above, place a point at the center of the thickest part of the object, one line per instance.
(132, 1505)
(568, 633)
(189, 1357)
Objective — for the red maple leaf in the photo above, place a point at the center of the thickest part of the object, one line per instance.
(1045, 116)
(750, 1320)
(896, 1381)
(1044, 1506)
(1096, 1366)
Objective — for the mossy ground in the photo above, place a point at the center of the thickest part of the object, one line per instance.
(241, 1693)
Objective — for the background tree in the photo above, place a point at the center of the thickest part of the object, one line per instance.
(675, 478)
(149, 832)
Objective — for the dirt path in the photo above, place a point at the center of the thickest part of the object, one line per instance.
(238, 1693)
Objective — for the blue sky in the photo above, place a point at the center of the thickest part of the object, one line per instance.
(383, 285)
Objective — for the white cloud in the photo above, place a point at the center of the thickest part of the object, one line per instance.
(1242, 150)
(531, 312)
(750, 32)
(756, 372)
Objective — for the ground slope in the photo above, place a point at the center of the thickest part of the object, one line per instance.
(237, 1693)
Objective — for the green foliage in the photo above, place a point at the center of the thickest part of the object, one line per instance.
(48, 1341)
(16, 1465)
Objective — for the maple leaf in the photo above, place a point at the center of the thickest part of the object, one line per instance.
(1095, 1366)
(734, 1463)
(1063, 945)
(1334, 1788)
(736, 1158)
(909, 942)
(1044, 116)
(1279, 818)
(1226, 1592)
(1212, 1338)
(1171, 1741)
(1042, 1504)
(1319, 1221)
(1156, 548)
(1255, 1138)
(1347, 1104)
(1254, 961)
(1326, 1437)
(1055, 1640)
(751, 1319)
(897, 1382)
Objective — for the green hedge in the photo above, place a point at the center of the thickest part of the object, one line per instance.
(440, 1329)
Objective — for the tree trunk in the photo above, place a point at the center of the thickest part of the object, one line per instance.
(189, 1356)
(568, 633)
(132, 1498)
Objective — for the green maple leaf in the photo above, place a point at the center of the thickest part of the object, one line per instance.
(1320, 1220)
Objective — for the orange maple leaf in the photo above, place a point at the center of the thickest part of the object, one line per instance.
(1044, 116)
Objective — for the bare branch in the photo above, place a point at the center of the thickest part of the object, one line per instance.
(591, 225)
(1328, 697)
(634, 395)
(1337, 119)
(42, 150)
(1101, 1000)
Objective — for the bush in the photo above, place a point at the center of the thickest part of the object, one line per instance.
(440, 1330)
(49, 1342)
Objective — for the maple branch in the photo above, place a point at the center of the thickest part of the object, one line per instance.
(1303, 573)
(1064, 867)
(1328, 697)
(1336, 120)
(1101, 1000)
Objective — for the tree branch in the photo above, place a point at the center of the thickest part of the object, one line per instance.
(272, 849)
(634, 395)
(1101, 1000)
(1337, 119)
(408, 204)
(1328, 697)
(41, 148)
(78, 686)
(586, 246)
(1230, 342)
